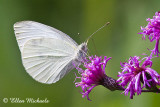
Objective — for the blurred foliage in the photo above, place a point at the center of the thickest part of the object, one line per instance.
(118, 40)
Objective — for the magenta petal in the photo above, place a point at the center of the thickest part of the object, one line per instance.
(137, 83)
(145, 80)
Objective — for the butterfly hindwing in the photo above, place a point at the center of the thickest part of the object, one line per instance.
(47, 60)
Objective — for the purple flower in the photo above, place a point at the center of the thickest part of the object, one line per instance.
(134, 75)
(152, 30)
(93, 75)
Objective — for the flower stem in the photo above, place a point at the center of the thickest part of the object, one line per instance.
(111, 84)
(154, 91)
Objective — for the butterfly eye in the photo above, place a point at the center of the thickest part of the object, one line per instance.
(84, 47)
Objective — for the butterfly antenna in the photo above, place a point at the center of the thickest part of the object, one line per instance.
(97, 31)
(88, 52)
(94, 46)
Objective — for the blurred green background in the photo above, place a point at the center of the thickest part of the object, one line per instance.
(119, 40)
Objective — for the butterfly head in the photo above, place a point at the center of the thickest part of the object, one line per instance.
(83, 47)
(82, 52)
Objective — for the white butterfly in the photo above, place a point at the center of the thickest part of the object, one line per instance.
(47, 53)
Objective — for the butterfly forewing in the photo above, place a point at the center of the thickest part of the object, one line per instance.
(26, 30)
(47, 53)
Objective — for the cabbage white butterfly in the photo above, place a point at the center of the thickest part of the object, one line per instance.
(47, 53)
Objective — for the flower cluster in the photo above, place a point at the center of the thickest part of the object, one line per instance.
(152, 30)
(134, 75)
(93, 75)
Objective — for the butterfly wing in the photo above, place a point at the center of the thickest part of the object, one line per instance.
(47, 54)
(27, 30)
